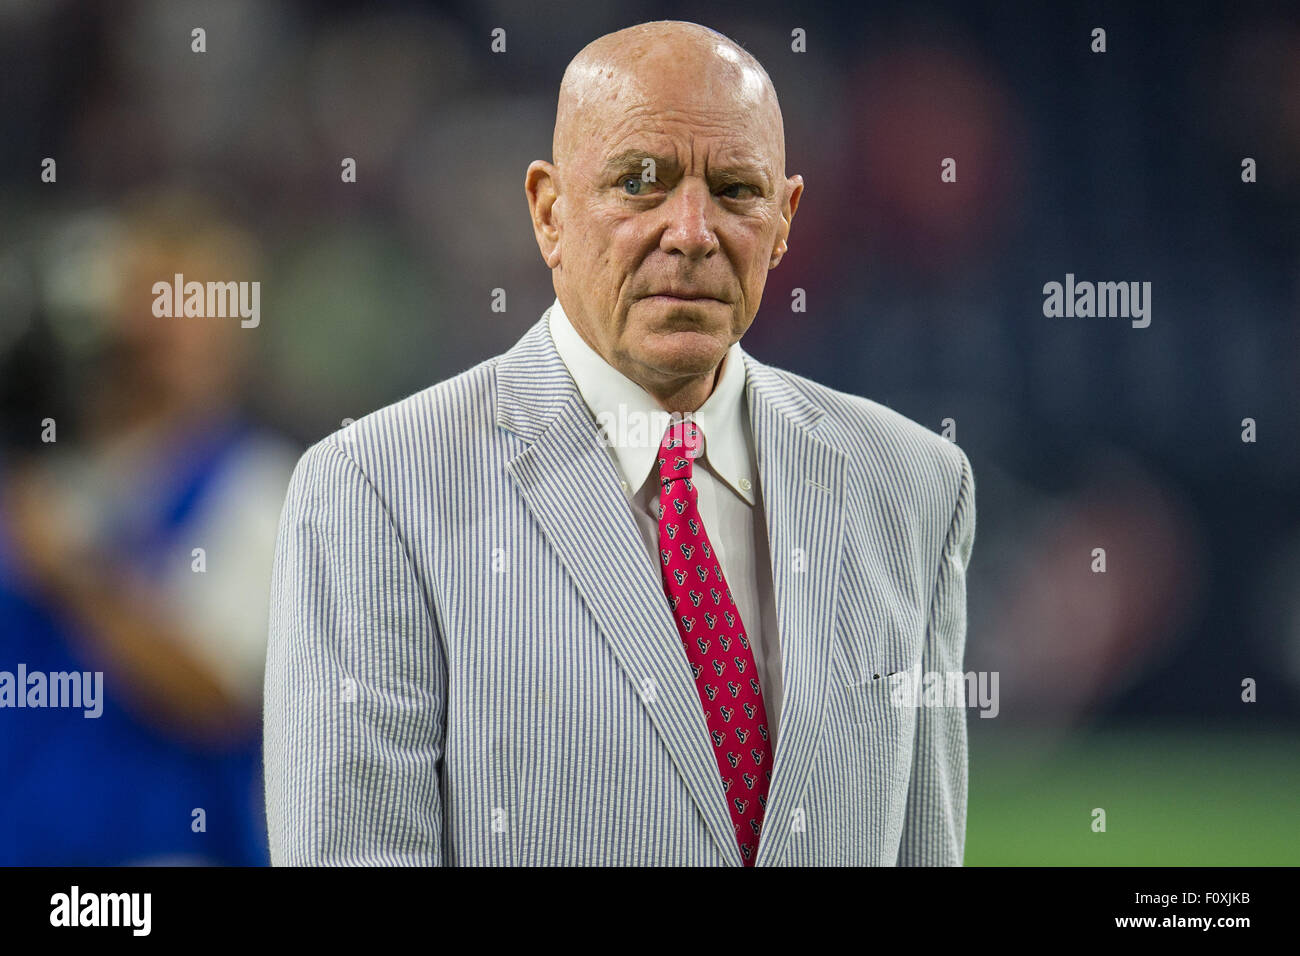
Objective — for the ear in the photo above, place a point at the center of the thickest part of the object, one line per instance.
(793, 192)
(542, 187)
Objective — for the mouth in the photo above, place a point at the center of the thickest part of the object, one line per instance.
(682, 297)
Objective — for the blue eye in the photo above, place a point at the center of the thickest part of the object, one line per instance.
(632, 185)
(727, 191)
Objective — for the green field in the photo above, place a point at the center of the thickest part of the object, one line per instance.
(1171, 799)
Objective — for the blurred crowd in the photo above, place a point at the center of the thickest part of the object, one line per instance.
(144, 459)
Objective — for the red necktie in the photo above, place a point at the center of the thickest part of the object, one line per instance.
(717, 646)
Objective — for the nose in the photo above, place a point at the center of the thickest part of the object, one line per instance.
(689, 230)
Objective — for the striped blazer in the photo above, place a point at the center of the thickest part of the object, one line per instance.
(471, 660)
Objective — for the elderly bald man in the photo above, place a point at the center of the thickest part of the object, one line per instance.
(625, 595)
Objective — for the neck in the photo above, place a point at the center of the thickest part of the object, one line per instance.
(686, 396)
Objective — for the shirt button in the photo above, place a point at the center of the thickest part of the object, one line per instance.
(744, 484)
(624, 484)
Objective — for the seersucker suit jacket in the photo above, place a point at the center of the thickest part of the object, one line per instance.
(471, 660)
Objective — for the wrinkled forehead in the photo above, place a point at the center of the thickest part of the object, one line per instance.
(658, 93)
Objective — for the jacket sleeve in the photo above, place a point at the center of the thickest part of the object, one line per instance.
(355, 686)
(934, 826)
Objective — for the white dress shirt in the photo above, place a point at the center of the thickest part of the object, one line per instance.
(729, 497)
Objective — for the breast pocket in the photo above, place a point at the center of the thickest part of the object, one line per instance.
(870, 665)
(851, 672)
(873, 646)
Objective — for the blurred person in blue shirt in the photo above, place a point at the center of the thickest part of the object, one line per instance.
(100, 570)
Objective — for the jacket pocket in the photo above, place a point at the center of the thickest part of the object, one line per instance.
(869, 684)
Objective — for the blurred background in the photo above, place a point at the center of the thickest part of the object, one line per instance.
(1119, 690)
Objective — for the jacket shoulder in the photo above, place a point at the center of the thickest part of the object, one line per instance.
(460, 408)
(883, 443)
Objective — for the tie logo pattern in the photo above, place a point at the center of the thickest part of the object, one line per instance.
(715, 643)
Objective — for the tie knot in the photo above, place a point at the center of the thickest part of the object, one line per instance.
(682, 443)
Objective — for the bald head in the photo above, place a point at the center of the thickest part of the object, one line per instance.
(622, 69)
(666, 202)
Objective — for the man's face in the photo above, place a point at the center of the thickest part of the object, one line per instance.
(669, 209)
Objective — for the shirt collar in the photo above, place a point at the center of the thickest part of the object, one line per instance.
(635, 422)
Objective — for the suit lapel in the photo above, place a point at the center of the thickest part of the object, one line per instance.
(572, 488)
(802, 478)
